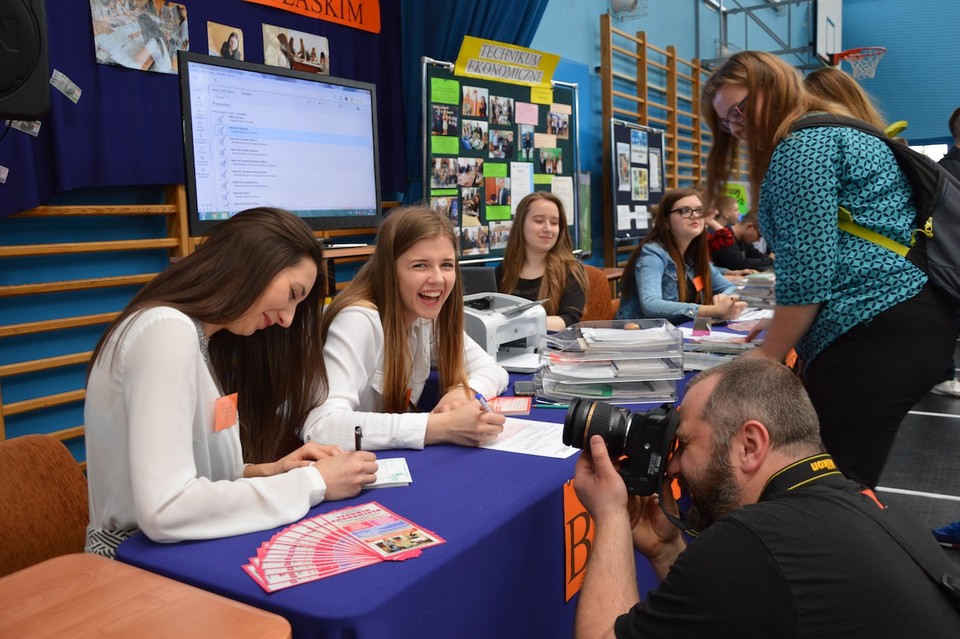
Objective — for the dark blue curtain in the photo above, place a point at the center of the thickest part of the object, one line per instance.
(435, 28)
(125, 130)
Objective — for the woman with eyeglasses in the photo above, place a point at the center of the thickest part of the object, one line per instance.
(669, 274)
(872, 334)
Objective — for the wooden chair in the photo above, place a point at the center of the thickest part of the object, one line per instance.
(599, 304)
(43, 502)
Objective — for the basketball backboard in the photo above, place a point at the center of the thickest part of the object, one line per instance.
(828, 29)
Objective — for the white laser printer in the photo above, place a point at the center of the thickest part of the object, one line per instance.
(507, 327)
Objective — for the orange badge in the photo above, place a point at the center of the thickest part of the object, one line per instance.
(225, 412)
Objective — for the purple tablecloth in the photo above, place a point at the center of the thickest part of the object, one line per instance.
(500, 574)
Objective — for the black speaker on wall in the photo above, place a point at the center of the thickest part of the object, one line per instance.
(24, 60)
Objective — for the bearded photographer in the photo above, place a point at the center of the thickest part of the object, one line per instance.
(787, 547)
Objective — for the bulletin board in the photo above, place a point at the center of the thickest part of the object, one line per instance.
(638, 184)
(487, 144)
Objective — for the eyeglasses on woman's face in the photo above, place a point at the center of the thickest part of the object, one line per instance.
(734, 115)
(686, 212)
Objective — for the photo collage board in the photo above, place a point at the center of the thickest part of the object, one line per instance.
(487, 145)
(638, 177)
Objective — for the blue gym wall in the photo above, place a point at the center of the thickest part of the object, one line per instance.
(918, 81)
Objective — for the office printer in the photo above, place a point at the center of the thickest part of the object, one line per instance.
(508, 327)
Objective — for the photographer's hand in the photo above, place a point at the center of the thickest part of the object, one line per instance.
(653, 534)
(597, 482)
(610, 585)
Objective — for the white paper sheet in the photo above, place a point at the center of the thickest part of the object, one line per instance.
(543, 439)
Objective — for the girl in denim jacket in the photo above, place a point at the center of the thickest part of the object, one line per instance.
(669, 274)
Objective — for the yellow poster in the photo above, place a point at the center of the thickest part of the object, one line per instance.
(502, 62)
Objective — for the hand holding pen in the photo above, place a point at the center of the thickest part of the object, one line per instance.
(465, 425)
(484, 404)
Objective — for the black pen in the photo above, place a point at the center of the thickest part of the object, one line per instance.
(357, 437)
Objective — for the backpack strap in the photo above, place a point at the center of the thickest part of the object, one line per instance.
(844, 216)
(846, 223)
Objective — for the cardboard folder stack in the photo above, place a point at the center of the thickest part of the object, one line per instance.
(712, 348)
(612, 360)
(757, 290)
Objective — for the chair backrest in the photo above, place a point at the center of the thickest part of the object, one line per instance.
(599, 305)
(43, 502)
(478, 279)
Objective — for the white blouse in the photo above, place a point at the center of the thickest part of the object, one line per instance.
(154, 461)
(353, 355)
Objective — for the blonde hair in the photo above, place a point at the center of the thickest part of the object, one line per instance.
(560, 258)
(831, 83)
(376, 284)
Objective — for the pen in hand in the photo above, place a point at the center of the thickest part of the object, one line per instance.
(483, 402)
(357, 437)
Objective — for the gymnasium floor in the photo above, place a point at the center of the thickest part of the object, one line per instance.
(922, 475)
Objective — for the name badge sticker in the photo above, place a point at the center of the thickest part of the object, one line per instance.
(225, 412)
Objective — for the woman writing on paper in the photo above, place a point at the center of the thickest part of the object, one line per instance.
(873, 335)
(539, 264)
(215, 362)
(669, 274)
(402, 313)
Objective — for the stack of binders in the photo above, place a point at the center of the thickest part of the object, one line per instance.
(612, 360)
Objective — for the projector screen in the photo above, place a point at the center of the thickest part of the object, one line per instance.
(257, 135)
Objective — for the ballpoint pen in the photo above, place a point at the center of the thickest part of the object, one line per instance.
(548, 405)
(483, 402)
(357, 437)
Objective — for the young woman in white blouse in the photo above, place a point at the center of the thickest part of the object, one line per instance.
(215, 362)
(402, 313)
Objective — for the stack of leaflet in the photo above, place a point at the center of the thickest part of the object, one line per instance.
(757, 290)
(703, 351)
(613, 360)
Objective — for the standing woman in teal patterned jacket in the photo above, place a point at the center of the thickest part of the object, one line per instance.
(872, 334)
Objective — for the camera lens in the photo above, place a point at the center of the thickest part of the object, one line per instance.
(586, 418)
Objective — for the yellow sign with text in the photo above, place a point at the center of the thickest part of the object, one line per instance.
(359, 14)
(490, 60)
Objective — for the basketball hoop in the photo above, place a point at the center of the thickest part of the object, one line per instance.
(863, 61)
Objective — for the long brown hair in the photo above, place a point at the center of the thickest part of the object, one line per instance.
(376, 284)
(660, 233)
(830, 83)
(775, 100)
(560, 260)
(278, 373)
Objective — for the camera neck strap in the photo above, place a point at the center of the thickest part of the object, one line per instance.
(800, 473)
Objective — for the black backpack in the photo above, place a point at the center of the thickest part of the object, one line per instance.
(935, 246)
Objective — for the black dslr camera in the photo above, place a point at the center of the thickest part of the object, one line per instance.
(643, 439)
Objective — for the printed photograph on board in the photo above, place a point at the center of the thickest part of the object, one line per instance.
(295, 50)
(474, 103)
(474, 136)
(501, 144)
(445, 118)
(139, 35)
(501, 110)
(558, 124)
(224, 41)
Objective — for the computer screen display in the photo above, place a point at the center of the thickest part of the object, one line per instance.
(257, 135)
